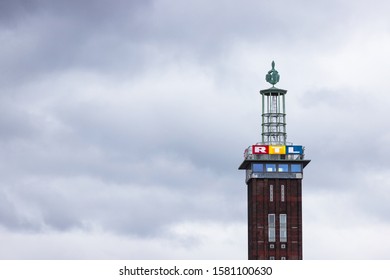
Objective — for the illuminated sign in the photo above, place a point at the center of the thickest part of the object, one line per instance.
(276, 150)
(298, 150)
(260, 149)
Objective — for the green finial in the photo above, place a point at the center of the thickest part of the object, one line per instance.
(273, 76)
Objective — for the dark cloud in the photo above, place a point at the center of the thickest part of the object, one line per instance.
(12, 11)
(48, 37)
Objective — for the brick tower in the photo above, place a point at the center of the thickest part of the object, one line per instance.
(274, 172)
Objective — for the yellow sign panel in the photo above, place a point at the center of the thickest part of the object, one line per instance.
(277, 150)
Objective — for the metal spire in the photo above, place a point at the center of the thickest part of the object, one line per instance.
(274, 111)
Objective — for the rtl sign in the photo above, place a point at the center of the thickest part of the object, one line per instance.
(276, 150)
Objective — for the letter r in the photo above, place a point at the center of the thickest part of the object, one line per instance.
(260, 150)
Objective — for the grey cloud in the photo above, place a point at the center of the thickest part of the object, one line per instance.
(55, 36)
(143, 210)
(90, 34)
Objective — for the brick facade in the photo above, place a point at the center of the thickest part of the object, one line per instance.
(261, 204)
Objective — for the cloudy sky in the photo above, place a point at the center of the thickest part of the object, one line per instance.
(123, 123)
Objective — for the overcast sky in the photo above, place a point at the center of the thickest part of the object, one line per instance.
(123, 123)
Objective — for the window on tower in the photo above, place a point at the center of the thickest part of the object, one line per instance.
(283, 227)
(282, 193)
(271, 228)
(271, 193)
(283, 167)
(296, 168)
(270, 167)
(258, 167)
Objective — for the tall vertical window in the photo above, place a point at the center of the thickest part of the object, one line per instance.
(282, 195)
(271, 193)
(283, 227)
(271, 228)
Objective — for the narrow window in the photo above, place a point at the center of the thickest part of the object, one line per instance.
(282, 196)
(283, 227)
(271, 228)
(271, 193)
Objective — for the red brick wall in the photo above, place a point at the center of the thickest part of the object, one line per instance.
(259, 206)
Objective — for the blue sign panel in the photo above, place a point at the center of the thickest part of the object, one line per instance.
(294, 150)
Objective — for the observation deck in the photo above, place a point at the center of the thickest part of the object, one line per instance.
(288, 164)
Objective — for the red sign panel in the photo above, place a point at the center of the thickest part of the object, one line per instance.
(260, 149)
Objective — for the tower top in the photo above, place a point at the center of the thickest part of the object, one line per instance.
(273, 147)
(273, 76)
